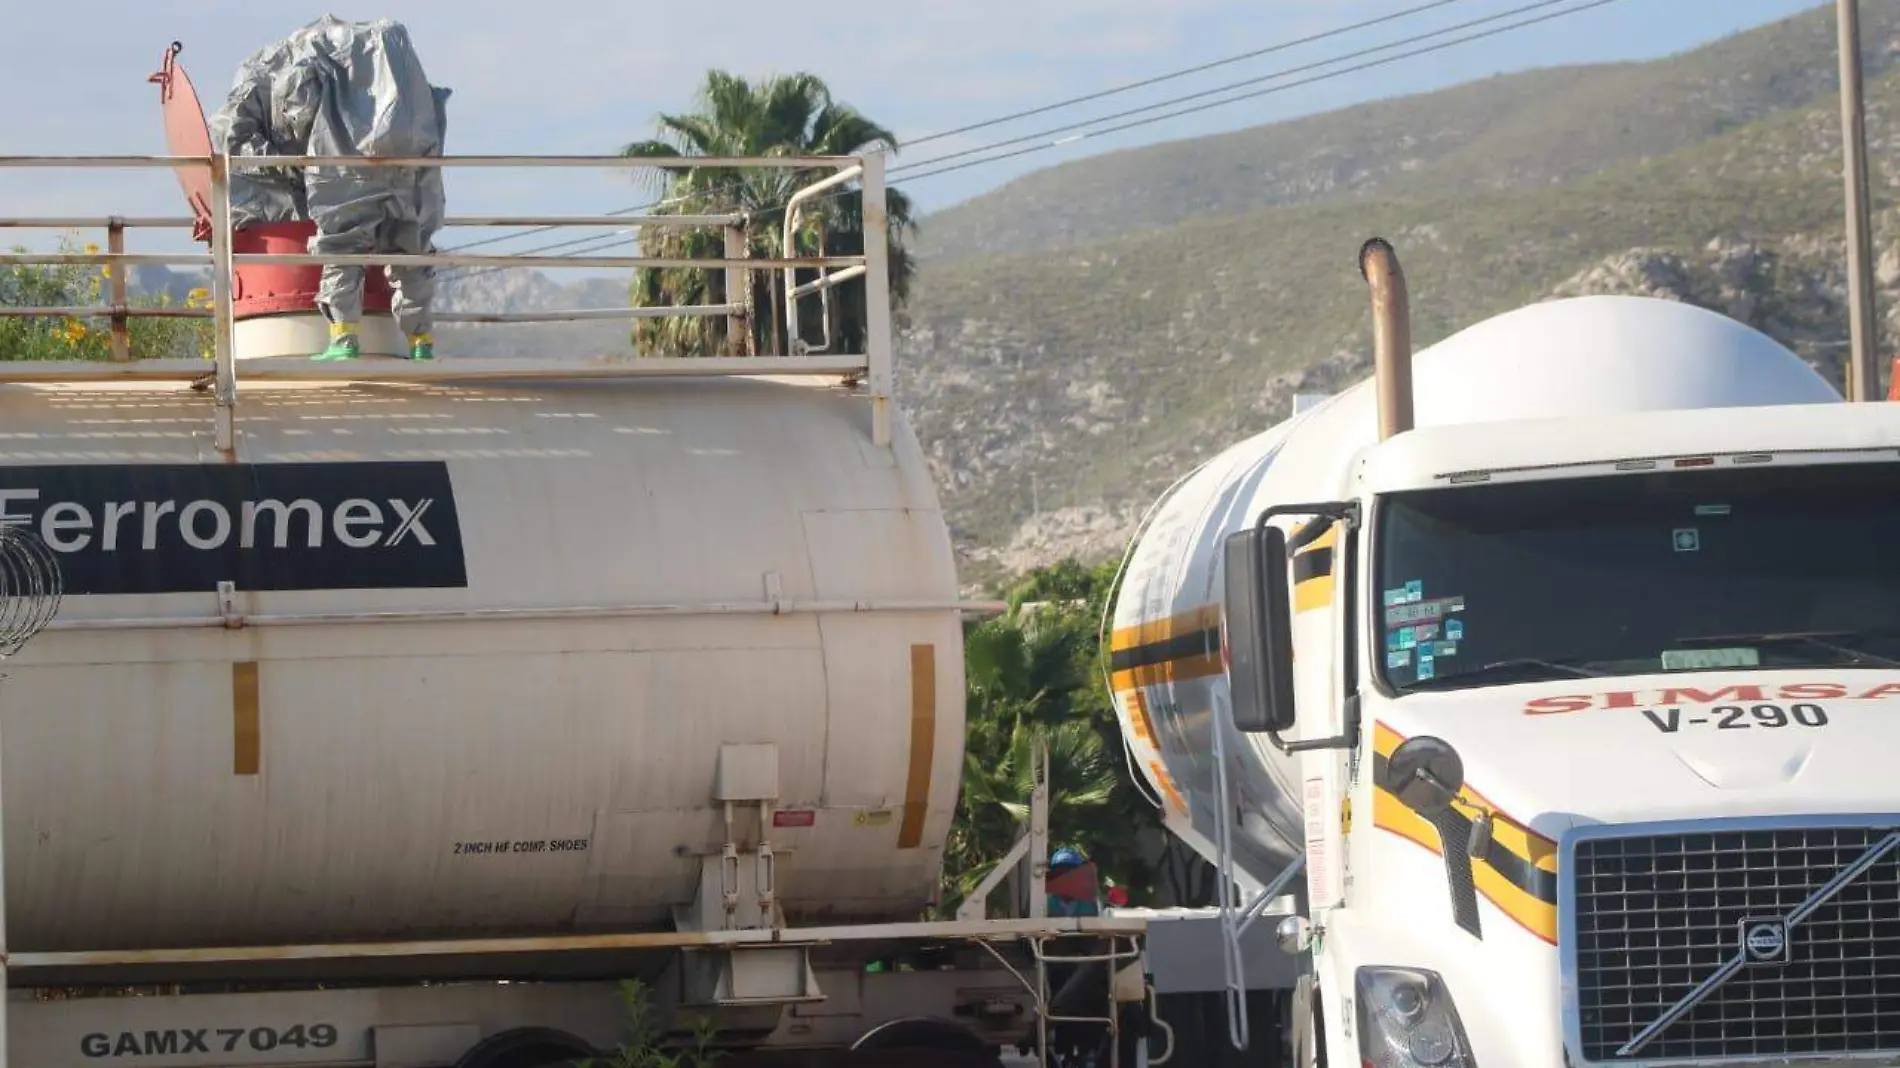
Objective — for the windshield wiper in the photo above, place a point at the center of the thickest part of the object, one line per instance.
(1836, 641)
(1563, 668)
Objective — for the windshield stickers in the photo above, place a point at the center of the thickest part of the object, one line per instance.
(1414, 625)
(1711, 509)
(1687, 540)
(1405, 615)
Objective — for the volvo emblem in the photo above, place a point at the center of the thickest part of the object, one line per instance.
(1765, 941)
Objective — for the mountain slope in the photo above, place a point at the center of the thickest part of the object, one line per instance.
(1534, 128)
(1092, 376)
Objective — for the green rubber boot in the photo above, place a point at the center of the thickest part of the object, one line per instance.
(421, 347)
(344, 344)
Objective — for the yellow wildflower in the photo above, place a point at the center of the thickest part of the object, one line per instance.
(198, 298)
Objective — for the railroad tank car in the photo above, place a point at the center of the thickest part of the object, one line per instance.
(1574, 357)
(458, 659)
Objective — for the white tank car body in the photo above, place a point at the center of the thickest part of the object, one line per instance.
(356, 761)
(1578, 358)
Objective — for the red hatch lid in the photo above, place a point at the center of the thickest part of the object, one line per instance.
(186, 134)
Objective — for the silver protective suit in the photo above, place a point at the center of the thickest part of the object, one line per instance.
(337, 88)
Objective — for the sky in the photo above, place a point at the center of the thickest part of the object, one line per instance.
(586, 76)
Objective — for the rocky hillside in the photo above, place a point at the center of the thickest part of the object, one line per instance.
(1100, 372)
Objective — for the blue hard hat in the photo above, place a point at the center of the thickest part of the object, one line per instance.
(1067, 857)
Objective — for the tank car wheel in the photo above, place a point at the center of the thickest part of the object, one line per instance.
(921, 1042)
(526, 1047)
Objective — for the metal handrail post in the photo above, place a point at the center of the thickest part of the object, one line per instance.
(877, 300)
(738, 294)
(789, 279)
(121, 324)
(222, 347)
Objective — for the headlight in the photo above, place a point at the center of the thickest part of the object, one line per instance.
(1407, 1020)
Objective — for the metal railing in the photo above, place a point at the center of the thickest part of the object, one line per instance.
(873, 366)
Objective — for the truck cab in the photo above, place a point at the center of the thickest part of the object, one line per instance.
(1595, 740)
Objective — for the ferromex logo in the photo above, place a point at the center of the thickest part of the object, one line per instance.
(176, 528)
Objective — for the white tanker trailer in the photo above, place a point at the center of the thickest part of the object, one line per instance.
(394, 710)
(1557, 672)
(503, 660)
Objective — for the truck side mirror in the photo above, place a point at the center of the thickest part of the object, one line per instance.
(1259, 635)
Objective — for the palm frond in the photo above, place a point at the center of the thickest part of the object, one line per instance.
(782, 115)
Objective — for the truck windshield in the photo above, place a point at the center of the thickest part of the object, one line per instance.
(1692, 569)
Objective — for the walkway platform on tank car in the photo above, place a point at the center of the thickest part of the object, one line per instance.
(775, 279)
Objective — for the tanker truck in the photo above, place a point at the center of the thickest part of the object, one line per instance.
(398, 713)
(1555, 675)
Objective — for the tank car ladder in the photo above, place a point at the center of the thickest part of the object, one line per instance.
(1033, 847)
(1120, 978)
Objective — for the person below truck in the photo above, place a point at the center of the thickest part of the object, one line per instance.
(1072, 885)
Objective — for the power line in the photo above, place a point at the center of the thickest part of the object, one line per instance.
(613, 240)
(1182, 73)
(1270, 76)
(545, 229)
(1072, 101)
(1086, 135)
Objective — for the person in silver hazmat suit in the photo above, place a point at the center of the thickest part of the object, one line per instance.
(337, 88)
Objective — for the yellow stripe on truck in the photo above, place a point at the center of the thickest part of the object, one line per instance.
(1156, 630)
(1159, 652)
(1162, 652)
(1518, 874)
(1142, 724)
(1313, 572)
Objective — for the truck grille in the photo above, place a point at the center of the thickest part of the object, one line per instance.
(1773, 941)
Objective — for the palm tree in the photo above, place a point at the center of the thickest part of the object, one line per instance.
(788, 115)
(1038, 671)
(993, 810)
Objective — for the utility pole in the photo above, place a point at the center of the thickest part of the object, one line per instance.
(1863, 372)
